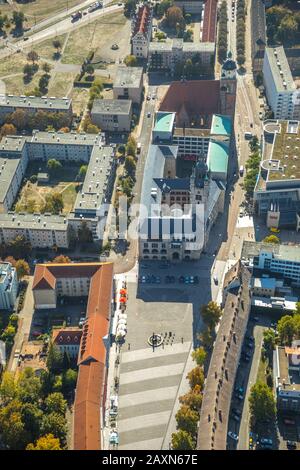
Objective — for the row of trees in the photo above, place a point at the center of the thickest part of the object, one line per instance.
(188, 415)
(240, 31)
(18, 248)
(42, 120)
(222, 32)
(252, 167)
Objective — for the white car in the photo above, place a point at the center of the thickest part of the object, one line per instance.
(233, 436)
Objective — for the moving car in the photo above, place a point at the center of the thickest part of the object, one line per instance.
(291, 445)
(233, 435)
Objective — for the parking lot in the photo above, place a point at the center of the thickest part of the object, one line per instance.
(68, 314)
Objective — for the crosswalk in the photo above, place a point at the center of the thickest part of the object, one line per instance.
(149, 384)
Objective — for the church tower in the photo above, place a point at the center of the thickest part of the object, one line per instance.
(228, 85)
(199, 183)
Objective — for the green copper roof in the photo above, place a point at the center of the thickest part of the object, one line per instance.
(164, 122)
(217, 158)
(221, 125)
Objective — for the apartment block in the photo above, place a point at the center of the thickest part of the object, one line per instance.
(32, 104)
(8, 285)
(128, 84)
(282, 94)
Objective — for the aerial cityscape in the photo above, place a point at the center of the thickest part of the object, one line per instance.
(149, 225)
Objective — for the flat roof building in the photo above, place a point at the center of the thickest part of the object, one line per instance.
(128, 84)
(112, 115)
(32, 104)
(286, 372)
(281, 91)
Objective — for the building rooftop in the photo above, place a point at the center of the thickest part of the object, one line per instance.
(112, 106)
(128, 77)
(8, 168)
(210, 21)
(164, 121)
(44, 102)
(178, 43)
(281, 252)
(190, 132)
(94, 187)
(217, 157)
(24, 221)
(221, 125)
(66, 336)
(287, 379)
(281, 71)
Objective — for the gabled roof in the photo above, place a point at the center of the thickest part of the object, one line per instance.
(66, 337)
(43, 278)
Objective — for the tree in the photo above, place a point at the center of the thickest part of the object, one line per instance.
(130, 165)
(92, 129)
(82, 171)
(182, 440)
(46, 67)
(61, 259)
(271, 239)
(8, 388)
(261, 403)
(18, 18)
(57, 45)
(32, 418)
(13, 433)
(55, 403)
(19, 119)
(130, 61)
(19, 247)
(129, 7)
(43, 83)
(84, 233)
(131, 146)
(199, 356)
(55, 423)
(47, 442)
(174, 16)
(192, 399)
(269, 341)
(187, 420)
(286, 329)
(54, 359)
(28, 71)
(162, 7)
(33, 57)
(196, 377)
(53, 203)
(8, 129)
(53, 166)
(29, 386)
(211, 314)
(22, 268)
(69, 380)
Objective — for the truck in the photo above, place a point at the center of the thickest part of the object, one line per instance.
(241, 170)
(76, 16)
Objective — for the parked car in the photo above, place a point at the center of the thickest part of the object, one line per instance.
(289, 421)
(266, 442)
(236, 411)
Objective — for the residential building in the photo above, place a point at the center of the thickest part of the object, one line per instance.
(32, 104)
(286, 370)
(276, 259)
(44, 230)
(8, 286)
(163, 56)
(96, 281)
(193, 7)
(219, 384)
(281, 91)
(67, 340)
(258, 35)
(277, 189)
(141, 31)
(112, 115)
(128, 84)
(209, 25)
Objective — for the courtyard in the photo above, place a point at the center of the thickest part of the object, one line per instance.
(32, 196)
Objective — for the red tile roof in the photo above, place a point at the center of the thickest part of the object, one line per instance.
(141, 25)
(210, 21)
(191, 100)
(92, 354)
(66, 337)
